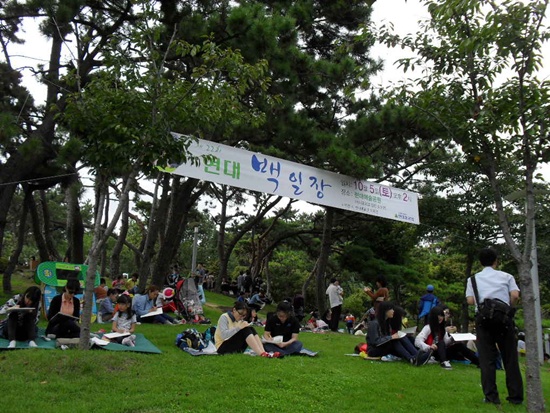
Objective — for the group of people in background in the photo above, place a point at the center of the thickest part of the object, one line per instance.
(235, 332)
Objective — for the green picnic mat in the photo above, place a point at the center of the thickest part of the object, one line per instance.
(40, 341)
(142, 346)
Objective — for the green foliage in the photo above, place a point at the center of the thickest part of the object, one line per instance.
(356, 303)
(289, 269)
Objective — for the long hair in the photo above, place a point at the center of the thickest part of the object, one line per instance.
(124, 299)
(382, 281)
(32, 293)
(396, 322)
(385, 325)
(437, 327)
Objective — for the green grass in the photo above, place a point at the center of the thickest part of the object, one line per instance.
(103, 381)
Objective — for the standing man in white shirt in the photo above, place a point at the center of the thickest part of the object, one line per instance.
(496, 285)
(336, 298)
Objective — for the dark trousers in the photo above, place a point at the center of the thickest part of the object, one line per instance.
(459, 351)
(401, 347)
(20, 326)
(237, 343)
(335, 317)
(67, 328)
(488, 338)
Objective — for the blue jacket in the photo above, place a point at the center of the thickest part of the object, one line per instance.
(427, 302)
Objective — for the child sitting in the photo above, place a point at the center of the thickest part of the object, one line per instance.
(124, 321)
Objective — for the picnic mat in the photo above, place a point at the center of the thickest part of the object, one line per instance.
(193, 352)
(142, 346)
(40, 341)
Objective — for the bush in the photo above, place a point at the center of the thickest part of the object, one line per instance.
(355, 303)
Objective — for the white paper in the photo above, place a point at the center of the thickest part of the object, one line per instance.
(115, 335)
(463, 336)
(152, 313)
(410, 330)
(274, 340)
(99, 341)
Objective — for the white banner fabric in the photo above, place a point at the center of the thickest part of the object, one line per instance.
(262, 173)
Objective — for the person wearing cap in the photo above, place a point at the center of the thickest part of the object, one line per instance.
(426, 303)
(336, 298)
(166, 298)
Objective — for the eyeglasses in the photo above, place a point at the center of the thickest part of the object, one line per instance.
(242, 314)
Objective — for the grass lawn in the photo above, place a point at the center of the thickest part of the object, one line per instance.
(103, 381)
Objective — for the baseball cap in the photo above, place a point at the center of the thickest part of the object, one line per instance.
(430, 288)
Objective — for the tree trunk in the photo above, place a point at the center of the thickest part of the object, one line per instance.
(53, 254)
(75, 226)
(37, 232)
(6, 196)
(221, 239)
(22, 231)
(101, 235)
(464, 313)
(151, 239)
(326, 244)
(308, 281)
(114, 263)
(184, 196)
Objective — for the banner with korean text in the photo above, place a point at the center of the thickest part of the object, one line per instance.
(262, 173)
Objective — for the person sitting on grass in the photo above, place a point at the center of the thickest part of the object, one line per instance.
(284, 324)
(257, 301)
(64, 312)
(106, 308)
(234, 334)
(381, 341)
(146, 303)
(437, 336)
(21, 325)
(124, 321)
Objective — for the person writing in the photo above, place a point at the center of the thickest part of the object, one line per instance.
(234, 334)
(383, 338)
(283, 324)
(495, 285)
(22, 318)
(124, 321)
(146, 303)
(64, 312)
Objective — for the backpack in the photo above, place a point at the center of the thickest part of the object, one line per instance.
(190, 338)
(209, 335)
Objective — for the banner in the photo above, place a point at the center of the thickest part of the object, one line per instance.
(257, 172)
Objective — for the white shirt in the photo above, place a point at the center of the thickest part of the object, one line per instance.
(492, 283)
(334, 293)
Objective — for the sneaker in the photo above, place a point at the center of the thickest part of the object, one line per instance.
(272, 355)
(432, 360)
(127, 341)
(390, 357)
(446, 365)
(422, 357)
(32, 344)
(12, 344)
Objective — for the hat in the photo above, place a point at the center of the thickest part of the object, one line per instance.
(168, 293)
(430, 288)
